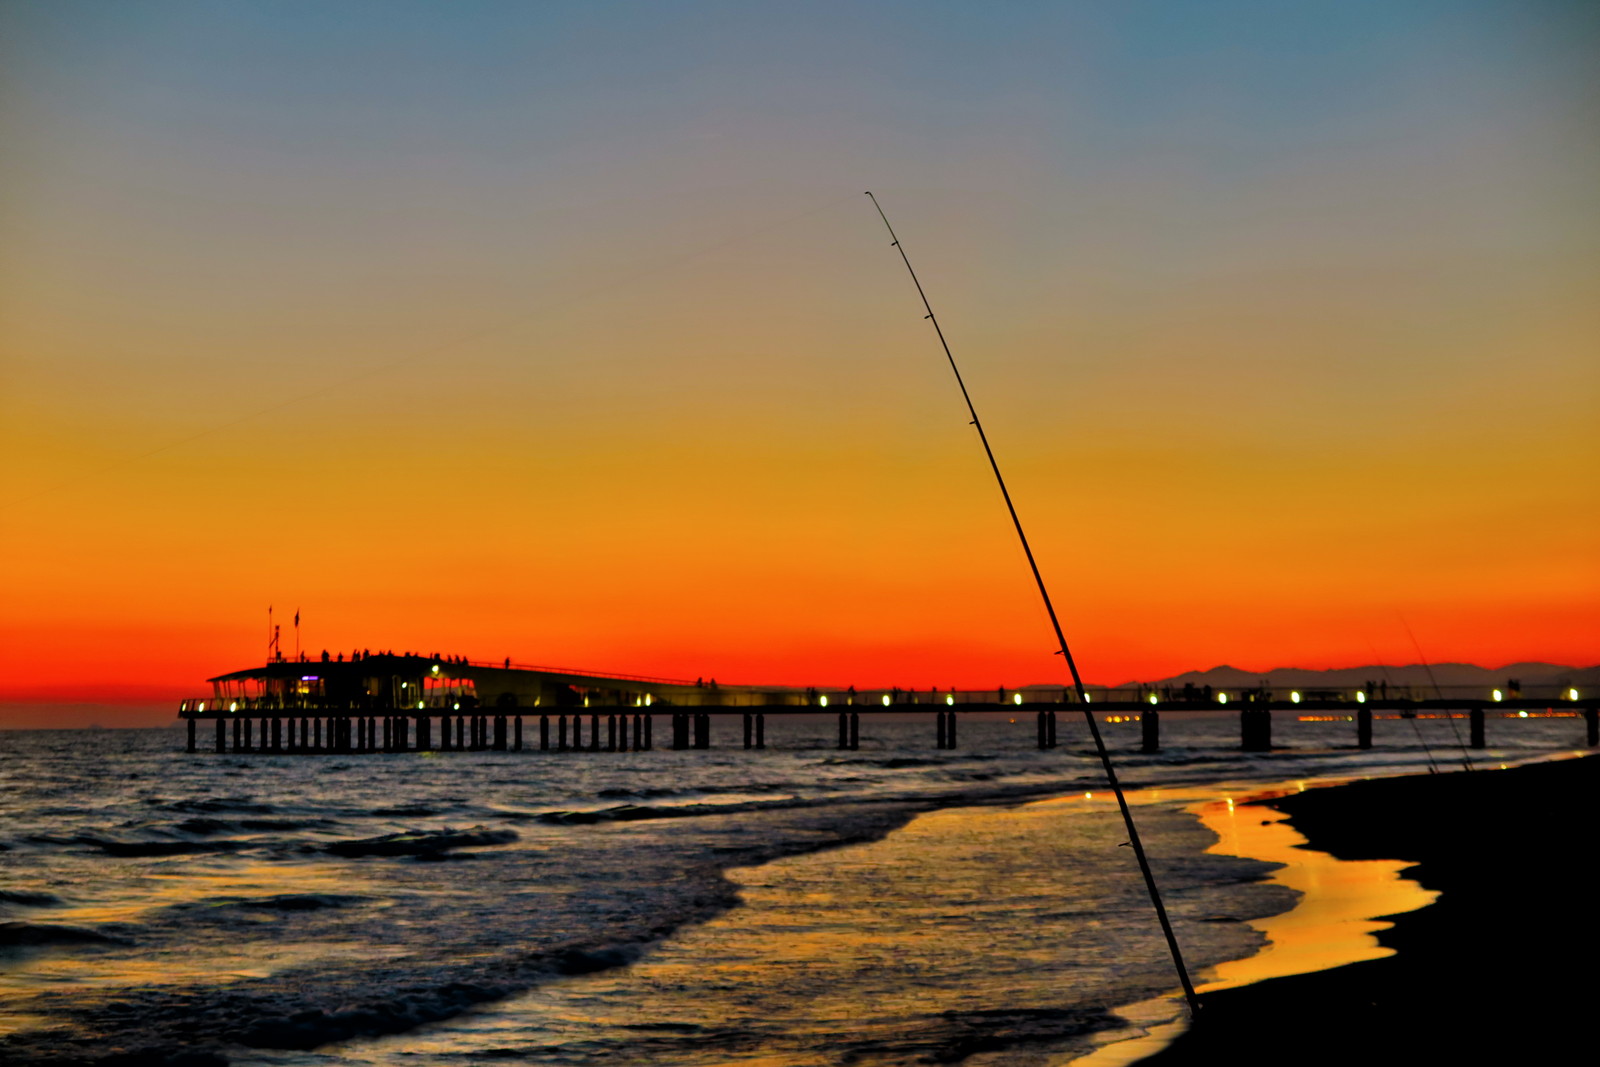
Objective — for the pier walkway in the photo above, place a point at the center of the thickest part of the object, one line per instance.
(391, 703)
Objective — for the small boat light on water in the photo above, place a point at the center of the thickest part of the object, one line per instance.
(1016, 698)
(1572, 694)
(886, 700)
(949, 698)
(1361, 698)
(1522, 714)
(1499, 695)
(1295, 696)
(823, 700)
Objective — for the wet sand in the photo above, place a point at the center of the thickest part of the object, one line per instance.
(1499, 969)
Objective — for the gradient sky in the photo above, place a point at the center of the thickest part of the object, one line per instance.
(564, 332)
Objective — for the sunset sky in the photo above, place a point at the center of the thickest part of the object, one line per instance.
(563, 331)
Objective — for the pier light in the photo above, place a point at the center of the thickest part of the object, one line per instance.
(420, 705)
(435, 668)
(1086, 697)
(823, 700)
(950, 698)
(456, 706)
(405, 685)
(1522, 714)
(1499, 695)
(233, 706)
(1361, 698)
(1295, 696)
(647, 700)
(1572, 694)
(1153, 699)
(202, 705)
(886, 700)
(1222, 698)
(1016, 698)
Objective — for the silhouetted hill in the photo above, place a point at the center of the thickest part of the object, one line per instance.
(1412, 674)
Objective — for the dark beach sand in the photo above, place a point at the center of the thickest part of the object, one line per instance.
(1501, 969)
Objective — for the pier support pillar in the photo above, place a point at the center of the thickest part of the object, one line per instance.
(1049, 729)
(499, 733)
(388, 733)
(844, 730)
(277, 735)
(622, 732)
(561, 733)
(611, 732)
(191, 735)
(1255, 730)
(855, 731)
(1591, 726)
(761, 729)
(516, 733)
(1043, 739)
(749, 731)
(638, 732)
(1150, 731)
(235, 734)
(649, 732)
(222, 736)
(1475, 728)
(544, 733)
(938, 733)
(702, 730)
(1363, 727)
(594, 732)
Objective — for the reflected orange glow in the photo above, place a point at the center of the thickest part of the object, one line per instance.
(1332, 923)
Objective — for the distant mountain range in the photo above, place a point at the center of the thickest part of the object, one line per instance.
(1412, 675)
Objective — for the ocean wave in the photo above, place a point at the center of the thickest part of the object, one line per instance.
(29, 898)
(29, 935)
(420, 843)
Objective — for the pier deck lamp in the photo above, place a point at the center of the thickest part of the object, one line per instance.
(1222, 698)
(1153, 699)
(1294, 696)
(823, 700)
(1361, 698)
(1499, 696)
(1572, 694)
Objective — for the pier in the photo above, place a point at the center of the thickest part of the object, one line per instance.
(406, 703)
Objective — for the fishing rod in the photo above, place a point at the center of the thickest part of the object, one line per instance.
(1466, 757)
(1061, 638)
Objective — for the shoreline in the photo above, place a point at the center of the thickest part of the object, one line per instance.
(1479, 975)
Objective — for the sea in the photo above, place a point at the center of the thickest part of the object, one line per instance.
(797, 905)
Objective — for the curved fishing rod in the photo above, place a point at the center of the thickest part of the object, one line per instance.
(1061, 638)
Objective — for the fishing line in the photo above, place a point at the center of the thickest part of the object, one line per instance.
(1061, 638)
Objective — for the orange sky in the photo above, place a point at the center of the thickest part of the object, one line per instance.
(606, 361)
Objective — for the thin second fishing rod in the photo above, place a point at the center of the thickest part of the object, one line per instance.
(1061, 637)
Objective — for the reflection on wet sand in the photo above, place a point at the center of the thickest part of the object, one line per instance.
(1331, 925)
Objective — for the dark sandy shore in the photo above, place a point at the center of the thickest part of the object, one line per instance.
(1503, 969)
